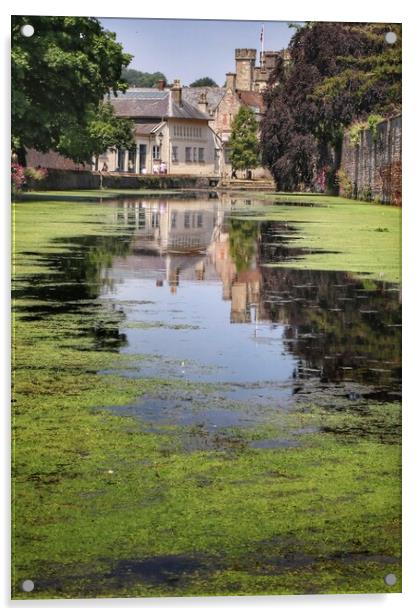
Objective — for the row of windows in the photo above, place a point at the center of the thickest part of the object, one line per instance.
(191, 220)
(192, 155)
(187, 131)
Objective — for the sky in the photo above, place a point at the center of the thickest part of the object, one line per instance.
(190, 49)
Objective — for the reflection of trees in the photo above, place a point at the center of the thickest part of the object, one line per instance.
(95, 259)
(242, 242)
(337, 325)
(78, 274)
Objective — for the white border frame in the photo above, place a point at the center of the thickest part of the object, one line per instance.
(356, 10)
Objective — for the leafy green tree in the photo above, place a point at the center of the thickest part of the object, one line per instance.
(142, 80)
(244, 144)
(370, 81)
(59, 76)
(202, 82)
(103, 130)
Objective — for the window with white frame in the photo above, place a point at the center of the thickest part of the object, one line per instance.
(156, 152)
(201, 155)
(188, 155)
(195, 155)
(175, 158)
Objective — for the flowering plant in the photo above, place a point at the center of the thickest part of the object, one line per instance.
(18, 177)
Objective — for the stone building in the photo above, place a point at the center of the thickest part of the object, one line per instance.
(167, 129)
(244, 86)
(187, 129)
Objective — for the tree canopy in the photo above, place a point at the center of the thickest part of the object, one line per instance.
(101, 132)
(339, 73)
(60, 76)
(202, 82)
(244, 144)
(142, 80)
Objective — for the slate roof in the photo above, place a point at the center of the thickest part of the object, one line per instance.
(214, 95)
(153, 103)
(146, 128)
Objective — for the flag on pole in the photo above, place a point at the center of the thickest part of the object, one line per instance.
(262, 36)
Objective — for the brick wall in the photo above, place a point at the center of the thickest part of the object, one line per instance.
(51, 160)
(373, 168)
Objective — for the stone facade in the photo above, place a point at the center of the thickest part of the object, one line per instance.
(242, 87)
(371, 169)
(168, 131)
(245, 68)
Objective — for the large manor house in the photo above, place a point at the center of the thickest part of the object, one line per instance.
(182, 130)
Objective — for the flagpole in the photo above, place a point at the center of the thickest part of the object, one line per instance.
(262, 40)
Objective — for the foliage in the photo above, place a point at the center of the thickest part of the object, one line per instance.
(203, 81)
(355, 131)
(36, 173)
(372, 123)
(344, 183)
(141, 79)
(243, 144)
(339, 72)
(369, 79)
(17, 177)
(59, 77)
(103, 130)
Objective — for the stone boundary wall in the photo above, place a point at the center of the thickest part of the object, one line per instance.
(63, 179)
(373, 168)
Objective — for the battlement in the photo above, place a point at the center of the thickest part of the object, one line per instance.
(245, 54)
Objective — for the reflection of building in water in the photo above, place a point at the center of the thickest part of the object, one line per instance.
(174, 241)
(330, 321)
(171, 239)
(241, 288)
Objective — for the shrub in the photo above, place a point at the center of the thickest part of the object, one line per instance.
(17, 178)
(344, 183)
(36, 174)
(355, 132)
(373, 122)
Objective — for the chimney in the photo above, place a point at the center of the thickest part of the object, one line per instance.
(231, 81)
(177, 92)
(203, 103)
(160, 84)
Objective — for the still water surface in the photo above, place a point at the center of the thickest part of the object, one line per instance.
(203, 303)
(201, 296)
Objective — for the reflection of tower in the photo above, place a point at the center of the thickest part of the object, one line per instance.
(200, 270)
(240, 312)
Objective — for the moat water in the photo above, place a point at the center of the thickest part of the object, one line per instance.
(205, 296)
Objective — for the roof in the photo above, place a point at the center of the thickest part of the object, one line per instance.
(251, 99)
(153, 103)
(146, 128)
(214, 95)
